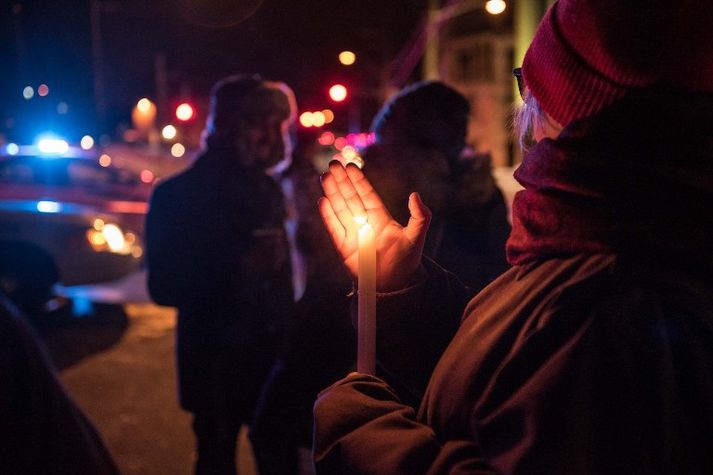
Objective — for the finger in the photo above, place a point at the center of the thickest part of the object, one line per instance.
(331, 222)
(336, 200)
(347, 190)
(418, 221)
(362, 185)
(370, 198)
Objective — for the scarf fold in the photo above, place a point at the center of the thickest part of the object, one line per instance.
(635, 179)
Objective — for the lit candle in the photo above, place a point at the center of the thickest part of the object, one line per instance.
(366, 321)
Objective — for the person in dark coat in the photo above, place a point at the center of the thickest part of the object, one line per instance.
(217, 251)
(594, 352)
(42, 431)
(320, 342)
(419, 143)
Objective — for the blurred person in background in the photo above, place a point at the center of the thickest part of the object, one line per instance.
(420, 139)
(320, 343)
(218, 251)
(594, 352)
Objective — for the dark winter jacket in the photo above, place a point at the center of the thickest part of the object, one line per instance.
(593, 354)
(217, 251)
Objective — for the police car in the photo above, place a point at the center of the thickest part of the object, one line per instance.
(66, 216)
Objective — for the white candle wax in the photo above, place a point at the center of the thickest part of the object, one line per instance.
(366, 322)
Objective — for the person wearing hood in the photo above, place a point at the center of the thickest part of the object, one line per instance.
(218, 251)
(594, 352)
(419, 143)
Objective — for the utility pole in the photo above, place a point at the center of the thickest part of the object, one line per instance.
(96, 8)
(20, 41)
(430, 56)
(161, 79)
(97, 61)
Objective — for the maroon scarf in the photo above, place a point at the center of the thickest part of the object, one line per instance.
(635, 179)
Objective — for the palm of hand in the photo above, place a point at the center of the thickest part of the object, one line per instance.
(349, 194)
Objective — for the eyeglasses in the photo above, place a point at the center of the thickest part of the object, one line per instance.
(517, 72)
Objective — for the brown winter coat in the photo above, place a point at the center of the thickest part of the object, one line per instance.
(586, 365)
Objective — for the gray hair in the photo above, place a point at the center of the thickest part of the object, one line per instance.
(528, 116)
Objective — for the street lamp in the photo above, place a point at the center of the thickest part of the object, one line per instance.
(185, 112)
(347, 58)
(338, 92)
(495, 7)
(143, 116)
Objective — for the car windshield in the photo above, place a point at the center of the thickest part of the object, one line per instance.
(75, 172)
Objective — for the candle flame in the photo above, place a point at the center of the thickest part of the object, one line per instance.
(360, 220)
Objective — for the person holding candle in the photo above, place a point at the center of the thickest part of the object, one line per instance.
(218, 251)
(594, 352)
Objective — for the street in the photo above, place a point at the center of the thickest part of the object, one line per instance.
(119, 366)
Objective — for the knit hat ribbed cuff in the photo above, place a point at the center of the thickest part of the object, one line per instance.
(566, 87)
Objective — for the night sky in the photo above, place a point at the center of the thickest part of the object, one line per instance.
(295, 41)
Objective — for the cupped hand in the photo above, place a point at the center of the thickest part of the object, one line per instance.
(399, 248)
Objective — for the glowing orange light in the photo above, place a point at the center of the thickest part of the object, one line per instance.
(144, 105)
(338, 92)
(105, 160)
(147, 176)
(328, 116)
(96, 239)
(184, 112)
(306, 119)
(347, 58)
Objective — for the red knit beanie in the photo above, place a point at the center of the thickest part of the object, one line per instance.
(587, 54)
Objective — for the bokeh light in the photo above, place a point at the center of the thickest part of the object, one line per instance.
(146, 176)
(327, 138)
(28, 93)
(43, 90)
(87, 142)
(338, 92)
(347, 58)
(144, 105)
(184, 111)
(105, 160)
(169, 132)
(178, 150)
(318, 119)
(340, 143)
(495, 7)
(306, 119)
(12, 149)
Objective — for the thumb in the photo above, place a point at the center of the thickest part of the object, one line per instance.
(418, 221)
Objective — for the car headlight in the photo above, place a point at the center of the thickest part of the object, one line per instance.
(109, 237)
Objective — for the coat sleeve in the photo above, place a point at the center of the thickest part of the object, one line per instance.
(362, 427)
(532, 410)
(415, 325)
